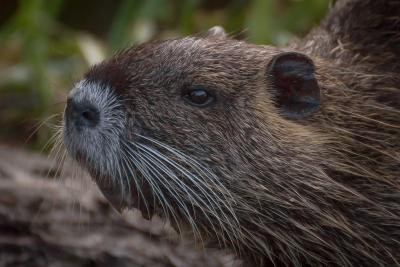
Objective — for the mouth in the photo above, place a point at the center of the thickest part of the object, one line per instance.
(122, 192)
(128, 191)
(136, 195)
(94, 127)
(123, 186)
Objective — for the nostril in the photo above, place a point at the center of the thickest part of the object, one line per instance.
(89, 117)
(82, 114)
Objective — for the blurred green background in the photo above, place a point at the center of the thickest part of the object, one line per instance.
(46, 45)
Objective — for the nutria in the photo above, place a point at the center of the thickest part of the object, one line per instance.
(286, 156)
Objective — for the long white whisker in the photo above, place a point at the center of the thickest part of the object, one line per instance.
(201, 185)
(143, 168)
(131, 166)
(206, 175)
(206, 192)
(172, 188)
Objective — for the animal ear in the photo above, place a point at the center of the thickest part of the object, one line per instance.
(216, 32)
(294, 85)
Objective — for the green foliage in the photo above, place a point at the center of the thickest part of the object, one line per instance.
(276, 21)
(42, 53)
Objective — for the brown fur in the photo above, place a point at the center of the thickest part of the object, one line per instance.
(319, 191)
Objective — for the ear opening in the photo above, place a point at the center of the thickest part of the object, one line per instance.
(294, 86)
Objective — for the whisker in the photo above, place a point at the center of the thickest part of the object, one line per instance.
(171, 189)
(39, 125)
(129, 167)
(211, 202)
(197, 166)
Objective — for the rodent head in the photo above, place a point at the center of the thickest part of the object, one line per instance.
(198, 129)
(231, 139)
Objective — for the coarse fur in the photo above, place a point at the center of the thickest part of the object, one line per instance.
(320, 191)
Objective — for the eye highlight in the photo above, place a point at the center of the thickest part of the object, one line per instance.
(198, 96)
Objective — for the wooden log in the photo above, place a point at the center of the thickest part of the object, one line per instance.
(53, 221)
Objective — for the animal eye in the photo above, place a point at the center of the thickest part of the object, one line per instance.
(198, 96)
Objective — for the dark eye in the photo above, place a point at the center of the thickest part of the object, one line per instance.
(198, 97)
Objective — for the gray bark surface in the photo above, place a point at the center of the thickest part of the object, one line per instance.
(63, 221)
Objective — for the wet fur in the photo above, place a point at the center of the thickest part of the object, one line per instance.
(320, 191)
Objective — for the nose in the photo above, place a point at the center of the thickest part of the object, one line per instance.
(82, 114)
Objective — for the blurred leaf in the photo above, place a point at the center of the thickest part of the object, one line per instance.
(119, 33)
(297, 21)
(188, 9)
(236, 16)
(92, 50)
(262, 21)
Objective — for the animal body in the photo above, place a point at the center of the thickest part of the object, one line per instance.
(286, 156)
